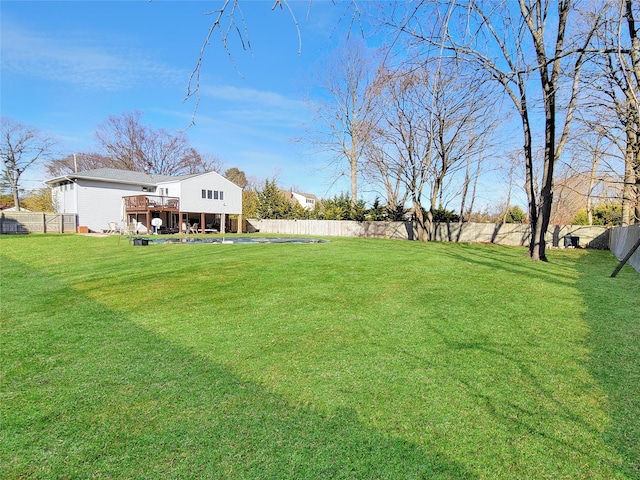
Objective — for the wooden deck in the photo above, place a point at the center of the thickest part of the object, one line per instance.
(151, 203)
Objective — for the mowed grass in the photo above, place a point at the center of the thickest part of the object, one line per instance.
(351, 359)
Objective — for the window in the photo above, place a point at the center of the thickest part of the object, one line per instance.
(209, 194)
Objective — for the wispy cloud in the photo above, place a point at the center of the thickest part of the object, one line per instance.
(256, 106)
(250, 96)
(78, 60)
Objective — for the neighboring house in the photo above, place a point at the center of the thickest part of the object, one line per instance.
(106, 195)
(306, 200)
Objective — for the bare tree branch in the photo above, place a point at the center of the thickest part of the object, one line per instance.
(21, 147)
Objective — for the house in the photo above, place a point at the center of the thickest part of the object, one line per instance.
(106, 196)
(307, 201)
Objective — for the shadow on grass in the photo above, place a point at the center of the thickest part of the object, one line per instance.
(613, 315)
(509, 260)
(87, 393)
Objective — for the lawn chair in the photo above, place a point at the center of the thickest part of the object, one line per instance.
(113, 228)
(193, 228)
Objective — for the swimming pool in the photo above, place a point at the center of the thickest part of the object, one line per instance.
(222, 240)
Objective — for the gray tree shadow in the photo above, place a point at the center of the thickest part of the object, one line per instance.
(101, 396)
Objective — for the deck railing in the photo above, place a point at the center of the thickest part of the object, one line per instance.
(151, 202)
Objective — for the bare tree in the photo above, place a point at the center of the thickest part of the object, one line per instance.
(614, 83)
(510, 169)
(22, 147)
(131, 145)
(434, 122)
(196, 162)
(511, 42)
(461, 108)
(228, 22)
(77, 163)
(632, 14)
(592, 173)
(348, 109)
(237, 176)
(466, 195)
(405, 135)
(382, 171)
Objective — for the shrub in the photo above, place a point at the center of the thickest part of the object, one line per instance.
(340, 208)
(605, 214)
(377, 212)
(515, 215)
(442, 215)
(271, 202)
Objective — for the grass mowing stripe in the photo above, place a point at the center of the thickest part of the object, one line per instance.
(135, 405)
(432, 360)
(613, 315)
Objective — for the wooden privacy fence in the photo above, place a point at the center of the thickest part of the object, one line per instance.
(502, 234)
(622, 241)
(37, 222)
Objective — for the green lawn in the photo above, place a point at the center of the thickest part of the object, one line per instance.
(350, 359)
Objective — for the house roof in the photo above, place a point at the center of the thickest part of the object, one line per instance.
(118, 176)
(306, 195)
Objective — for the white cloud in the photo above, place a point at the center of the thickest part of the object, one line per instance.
(78, 60)
(257, 107)
(251, 96)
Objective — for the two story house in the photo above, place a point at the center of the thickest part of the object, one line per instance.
(188, 203)
(306, 200)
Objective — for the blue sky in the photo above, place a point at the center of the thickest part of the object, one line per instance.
(67, 66)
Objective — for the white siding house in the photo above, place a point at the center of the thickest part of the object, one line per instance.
(103, 196)
(306, 200)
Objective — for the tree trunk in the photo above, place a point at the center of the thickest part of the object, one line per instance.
(463, 195)
(529, 173)
(546, 193)
(16, 193)
(628, 194)
(354, 177)
(421, 227)
(637, 175)
(592, 182)
(475, 188)
(535, 18)
(506, 209)
(635, 62)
